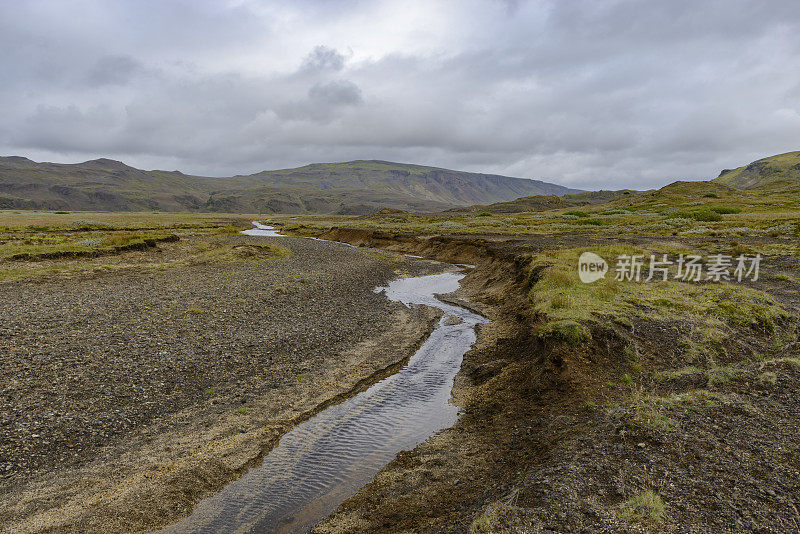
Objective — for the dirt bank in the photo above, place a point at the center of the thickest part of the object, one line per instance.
(630, 429)
(130, 395)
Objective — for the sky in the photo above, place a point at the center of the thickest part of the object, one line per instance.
(587, 93)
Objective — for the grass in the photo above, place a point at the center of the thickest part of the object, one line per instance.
(645, 507)
(386, 257)
(683, 208)
(42, 245)
(626, 379)
(719, 375)
(498, 517)
(766, 170)
(648, 412)
(558, 295)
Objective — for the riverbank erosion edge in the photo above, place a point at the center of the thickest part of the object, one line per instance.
(603, 408)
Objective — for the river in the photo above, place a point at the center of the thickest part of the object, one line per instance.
(327, 459)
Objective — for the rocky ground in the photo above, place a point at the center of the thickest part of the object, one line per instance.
(131, 393)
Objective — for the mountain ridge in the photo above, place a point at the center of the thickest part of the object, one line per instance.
(777, 168)
(355, 187)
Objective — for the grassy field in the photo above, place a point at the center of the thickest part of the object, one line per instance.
(45, 244)
(692, 209)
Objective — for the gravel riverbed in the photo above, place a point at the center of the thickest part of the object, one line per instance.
(87, 362)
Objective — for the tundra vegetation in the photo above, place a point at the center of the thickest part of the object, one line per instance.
(44, 245)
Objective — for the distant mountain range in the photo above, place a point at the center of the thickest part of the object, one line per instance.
(356, 187)
(780, 168)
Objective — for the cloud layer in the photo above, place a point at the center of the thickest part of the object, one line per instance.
(591, 94)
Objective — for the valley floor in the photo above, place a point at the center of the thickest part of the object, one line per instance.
(611, 407)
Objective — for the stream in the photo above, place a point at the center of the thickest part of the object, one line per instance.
(327, 459)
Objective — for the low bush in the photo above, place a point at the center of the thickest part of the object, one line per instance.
(577, 213)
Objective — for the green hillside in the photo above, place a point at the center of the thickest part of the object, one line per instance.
(355, 187)
(549, 202)
(783, 167)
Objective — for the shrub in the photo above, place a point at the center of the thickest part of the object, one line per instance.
(615, 212)
(702, 214)
(90, 242)
(452, 225)
(711, 195)
(484, 214)
(725, 210)
(705, 215)
(677, 222)
(577, 213)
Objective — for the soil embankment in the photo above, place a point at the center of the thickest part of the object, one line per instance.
(630, 429)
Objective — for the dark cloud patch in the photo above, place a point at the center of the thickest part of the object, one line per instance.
(323, 58)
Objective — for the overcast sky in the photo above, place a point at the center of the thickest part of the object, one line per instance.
(592, 94)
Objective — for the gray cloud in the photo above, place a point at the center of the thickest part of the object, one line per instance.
(113, 70)
(324, 58)
(613, 93)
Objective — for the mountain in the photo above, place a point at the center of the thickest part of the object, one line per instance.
(549, 202)
(355, 187)
(780, 168)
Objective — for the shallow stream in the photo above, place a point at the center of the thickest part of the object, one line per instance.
(327, 459)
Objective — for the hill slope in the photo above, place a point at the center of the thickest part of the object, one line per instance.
(783, 167)
(549, 202)
(355, 187)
